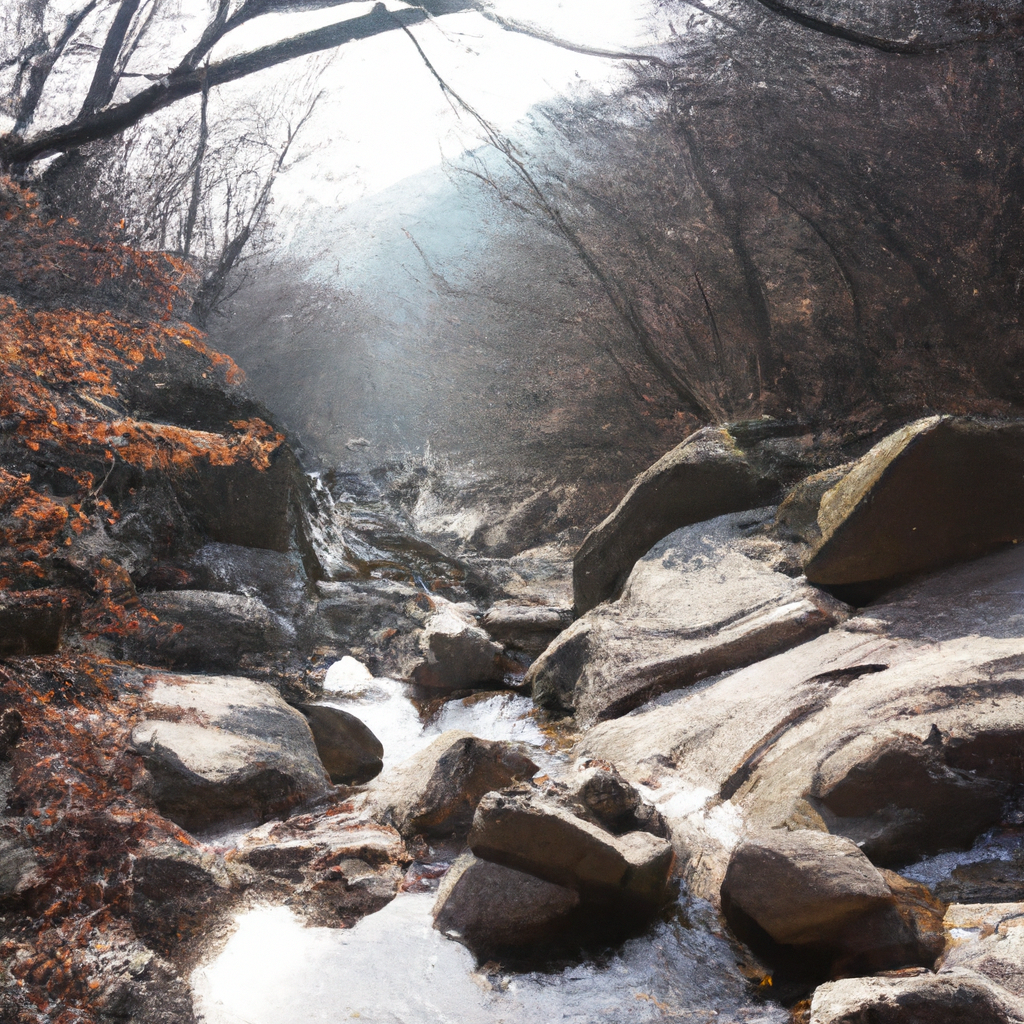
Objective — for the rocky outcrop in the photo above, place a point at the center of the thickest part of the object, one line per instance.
(32, 622)
(436, 791)
(894, 730)
(347, 747)
(938, 490)
(224, 749)
(962, 996)
(493, 909)
(454, 652)
(523, 830)
(202, 629)
(708, 475)
(706, 599)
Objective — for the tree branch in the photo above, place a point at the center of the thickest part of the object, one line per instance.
(187, 81)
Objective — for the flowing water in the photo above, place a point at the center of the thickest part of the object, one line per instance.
(394, 968)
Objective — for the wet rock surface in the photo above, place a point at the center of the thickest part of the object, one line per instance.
(224, 749)
(708, 598)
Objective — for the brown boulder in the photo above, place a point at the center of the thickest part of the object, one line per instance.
(492, 908)
(938, 490)
(349, 750)
(526, 831)
(435, 792)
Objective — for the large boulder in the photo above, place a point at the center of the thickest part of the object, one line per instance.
(224, 749)
(938, 490)
(492, 908)
(435, 792)
(811, 902)
(524, 830)
(707, 598)
(802, 887)
(961, 996)
(454, 652)
(349, 750)
(708, 475)
(896, 729)
(205, 629)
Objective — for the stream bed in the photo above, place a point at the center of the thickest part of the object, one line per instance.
(393, 967)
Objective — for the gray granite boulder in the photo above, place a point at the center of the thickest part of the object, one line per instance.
(714, 596)
(225, 749)
(349, 750)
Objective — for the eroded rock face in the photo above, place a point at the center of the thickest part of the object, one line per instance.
(528, 627)
(707, 598)
(347, 747)
(225, 749)
(911, 707)
(19, 869)
(491, 908)
(707, 475)
(436, 791)
(961, 995)
(336, 868)
(523, 830)
(32, 622)
(938, 490)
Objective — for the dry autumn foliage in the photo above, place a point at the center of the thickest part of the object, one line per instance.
(78, 317)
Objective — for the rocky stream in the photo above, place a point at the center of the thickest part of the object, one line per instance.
(749, 751)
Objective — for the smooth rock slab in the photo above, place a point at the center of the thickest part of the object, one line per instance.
(528, 627)
(523, 830)
(349, 750)
(435, 792)
(961, 996)
(225, 749)
(933, 675)
(707, 598)
(489, 907)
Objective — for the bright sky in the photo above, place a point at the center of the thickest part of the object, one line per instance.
(384, 116)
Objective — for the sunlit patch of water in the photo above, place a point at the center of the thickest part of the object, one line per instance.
(996, 844)
(394, 968)
(385, 706)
